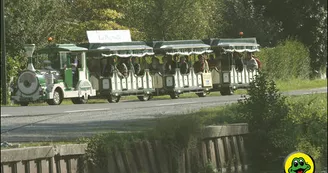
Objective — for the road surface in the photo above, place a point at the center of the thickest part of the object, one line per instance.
(66, 122)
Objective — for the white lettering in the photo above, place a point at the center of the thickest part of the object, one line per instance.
(109, 36)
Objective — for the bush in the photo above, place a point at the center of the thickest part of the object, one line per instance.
(14, 64)
(289, 59)
(308, 125)
(264, 111)
(279, 125)
(176, 134)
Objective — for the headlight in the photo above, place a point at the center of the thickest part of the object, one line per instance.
(28, 83)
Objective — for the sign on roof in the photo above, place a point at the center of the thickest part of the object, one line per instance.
(109, 36)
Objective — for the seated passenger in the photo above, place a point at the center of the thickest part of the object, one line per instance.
(170, 66)
(75, 65)
(136, 65)
(109, 68)
(154, 66)
(238, 62)
(183, 65)
(250, 62)
(206, 63)
(129, 64)
(200, 65)
(211, 62)
(214, 63)
(163, 65)
(122, 68)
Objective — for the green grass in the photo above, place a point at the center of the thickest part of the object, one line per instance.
(38, 144)
(294, 84)
(298, 84)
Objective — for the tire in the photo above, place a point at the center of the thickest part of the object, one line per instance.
(23, 103)
(57, 98)
(145, 97)
(227, 91)
(113, 99)
(203, 94)
(79, 100)
(174, 95)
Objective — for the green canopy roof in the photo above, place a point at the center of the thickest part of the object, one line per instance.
(61, 47)
(120, 49)
(236, 44)
(181, 47)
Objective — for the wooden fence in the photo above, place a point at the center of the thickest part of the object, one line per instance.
(222, 148)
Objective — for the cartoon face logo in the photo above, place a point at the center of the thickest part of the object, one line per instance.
(298, 162)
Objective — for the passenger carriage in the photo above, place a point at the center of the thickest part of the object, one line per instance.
(232, 75)
(176, 83)
(114, 85)
(57, 80)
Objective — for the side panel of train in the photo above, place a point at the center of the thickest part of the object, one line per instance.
(114, 87)
(227, 81)
(176, 84)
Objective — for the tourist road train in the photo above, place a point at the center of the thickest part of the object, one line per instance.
(145, 69)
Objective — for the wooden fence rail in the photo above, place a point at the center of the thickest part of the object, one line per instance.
(222, 147)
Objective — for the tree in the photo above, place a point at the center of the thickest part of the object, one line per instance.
(172, 19)
(303, 19)
(241, 15)
(31, 21)
(87, 15)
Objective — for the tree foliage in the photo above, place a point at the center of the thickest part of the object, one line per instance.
(243, 16)
(303, 19)
(84, 15)
(290, 56)
(31, 21)
(173, 19)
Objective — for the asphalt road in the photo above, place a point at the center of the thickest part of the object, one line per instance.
(65, 122)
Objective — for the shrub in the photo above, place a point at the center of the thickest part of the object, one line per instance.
(176, 134)
(279, 126)
(289, 59)
(14, 64)
(308, 121)
(102, 145)
(264, 111)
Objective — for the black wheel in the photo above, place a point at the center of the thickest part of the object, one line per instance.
(145, 97)
(23, 103)
(79, 100)
(57, 99)
(174, 95)
(114, 99)
(202, 94)
(227, 91)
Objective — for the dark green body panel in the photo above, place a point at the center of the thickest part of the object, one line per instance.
(68, 78)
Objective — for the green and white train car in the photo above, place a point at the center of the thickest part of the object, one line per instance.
(57, 80)
(113, 86)
(177, 83)
(233, 75)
